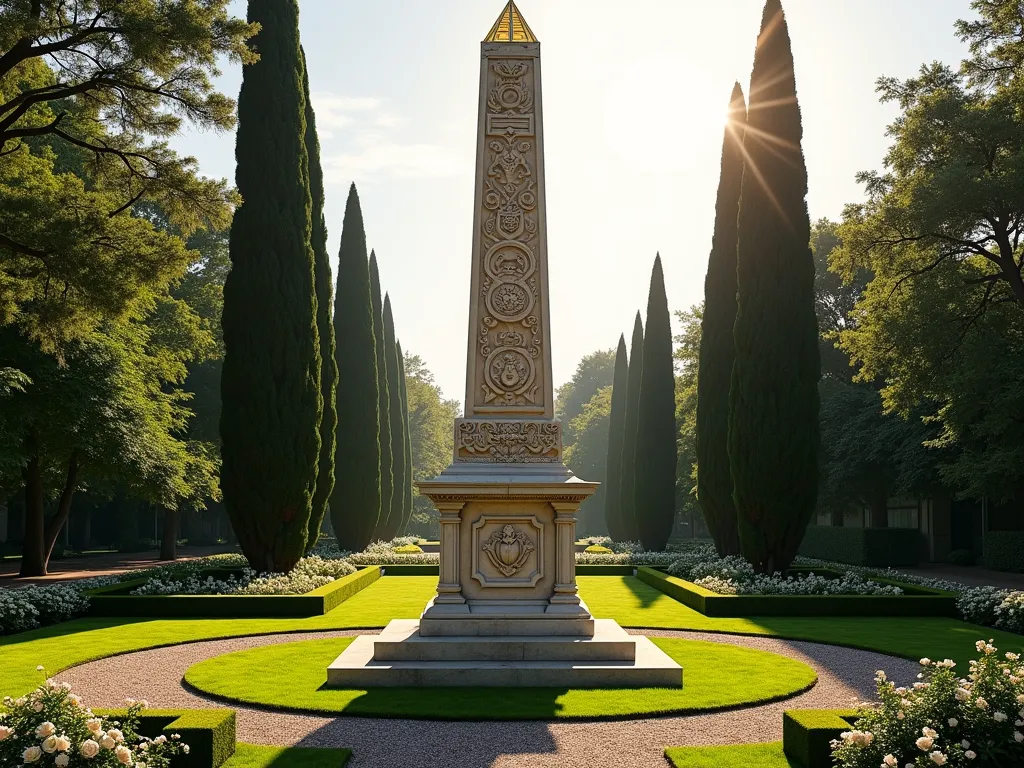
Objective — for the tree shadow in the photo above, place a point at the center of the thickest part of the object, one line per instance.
(644, 593)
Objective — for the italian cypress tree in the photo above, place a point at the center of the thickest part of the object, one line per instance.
(387, 482)
(324, 327)
(407, 448)
(355, 503)
(397, 439)
(773, 420)
(270, 385)
(655, 469)
(714, 374)
(616, 425)
(630, 419)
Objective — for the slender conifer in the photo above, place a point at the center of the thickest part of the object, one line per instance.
(616, 425)
(627, 481)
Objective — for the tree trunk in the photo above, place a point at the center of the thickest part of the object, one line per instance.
(55, 523)
(169, 540)
(879, 513)
(33, 561)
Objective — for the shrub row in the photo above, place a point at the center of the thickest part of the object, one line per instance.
(874, 547)
(110, 601)
(923, 602)
(209, 733)
(807, 734)
(1004, 550)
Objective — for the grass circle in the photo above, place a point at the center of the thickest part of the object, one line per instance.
(291, 676)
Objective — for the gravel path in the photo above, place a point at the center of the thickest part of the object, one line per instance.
(845, 676)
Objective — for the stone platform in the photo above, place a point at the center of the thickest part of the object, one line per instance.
(401, 656)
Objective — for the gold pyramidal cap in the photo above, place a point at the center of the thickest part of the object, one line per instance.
(510, 27)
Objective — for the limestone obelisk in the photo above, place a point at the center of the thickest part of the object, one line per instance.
(507, 503)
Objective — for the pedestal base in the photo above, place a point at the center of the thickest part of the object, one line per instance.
(402, 656)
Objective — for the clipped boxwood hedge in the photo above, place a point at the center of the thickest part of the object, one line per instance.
(806, 734)
(581, 570)
(918, 602)
(209, 733)
(1004, 550)
(872, 547)
(111, 601)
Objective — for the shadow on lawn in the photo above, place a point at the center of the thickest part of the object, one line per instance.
(646, 594)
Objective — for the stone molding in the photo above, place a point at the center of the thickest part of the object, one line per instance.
(527, 533)
(508, 441)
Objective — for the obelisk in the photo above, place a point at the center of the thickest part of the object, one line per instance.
(507, 503)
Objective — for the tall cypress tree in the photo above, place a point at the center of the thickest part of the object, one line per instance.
(355, 503)
(714, 374)
(387, 482)
(616, 427)
(655, 484)
(396, 437)
(270, 385)
(773, 420)
(630, 420)
(407, 445)
(325, 329)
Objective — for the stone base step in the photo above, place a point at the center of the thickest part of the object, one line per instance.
(402, 641)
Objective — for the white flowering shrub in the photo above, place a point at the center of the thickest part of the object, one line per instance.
(30, 607)
(308, 574)
(943, 719)
(733, 575)
(625, 547)
(52, 727)
(391, 552)
(654, 559)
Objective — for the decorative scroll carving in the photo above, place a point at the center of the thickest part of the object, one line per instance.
(508, 549)
(510, 364)
(512, 441)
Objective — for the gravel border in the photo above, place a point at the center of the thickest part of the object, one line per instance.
(845, 676)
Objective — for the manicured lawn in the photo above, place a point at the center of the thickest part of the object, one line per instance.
(636, 604)
(738, 756)
(255, 756)
(291, 676)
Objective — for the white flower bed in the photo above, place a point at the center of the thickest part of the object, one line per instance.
(308, 574)
(51, 726)
(733, 575)
(943, 719)
(26, 608)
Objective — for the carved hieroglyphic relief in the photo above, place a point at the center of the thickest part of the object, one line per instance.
(511, 441)
(510, 365)
(508, 549)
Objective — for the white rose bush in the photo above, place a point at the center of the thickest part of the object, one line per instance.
(52, 727)
(975, 721)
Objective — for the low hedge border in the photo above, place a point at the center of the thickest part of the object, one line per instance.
(806, 734)
(581, 570)
(871, 547)
(315, 603)
(1004, 550)
(209, 733)
(922, 602)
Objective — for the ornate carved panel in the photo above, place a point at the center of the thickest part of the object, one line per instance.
(508, 441)
(510, 367)
(508, 550)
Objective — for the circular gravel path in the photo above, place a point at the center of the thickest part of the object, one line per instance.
(845, 676)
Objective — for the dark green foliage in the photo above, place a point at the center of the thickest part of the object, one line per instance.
(655, 464)
(387, 461)
(209, 733)
(406, 494)
(807, 734)
(773, 421)
(270, 386)
(917, 601)
(396, 425)
(714, 480)
(325, 329)
(630, 419)
(356, 501)
(1004, 550)
(873, 547)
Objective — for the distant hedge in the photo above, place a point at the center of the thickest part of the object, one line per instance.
(807, 733)
(1004, 550)
(315, 603)
(918, 602)
(209, 733)
(873, 547)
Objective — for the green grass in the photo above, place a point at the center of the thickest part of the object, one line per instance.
(255, 756)
(635, 604)
(292, 676)
(733, 756)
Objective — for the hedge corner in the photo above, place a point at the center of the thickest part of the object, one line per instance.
(807, 734)
(209, 733)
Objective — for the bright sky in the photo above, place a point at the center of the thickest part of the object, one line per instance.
(634, 100)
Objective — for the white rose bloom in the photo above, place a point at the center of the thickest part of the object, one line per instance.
(115, 734)
(965, 744)
(95, 725)
(61, 760)
(980, 703)
(107, 743)
(924, 743)
(931, 733)
(63, 743)
(89, 748)
(49, 744)
(32, 754)
(999, 717)
(953, 722)
(124, 755)
(938, 758)
(889, 761)
(184, 748)
(38, 706)
(970, 754)
(1018, 736)
(5, 732)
